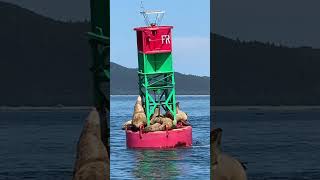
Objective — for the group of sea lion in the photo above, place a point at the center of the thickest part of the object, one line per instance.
(158, 122)
(223, 166)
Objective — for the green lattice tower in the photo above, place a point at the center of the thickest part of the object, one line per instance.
(155, 71)
(100, 47)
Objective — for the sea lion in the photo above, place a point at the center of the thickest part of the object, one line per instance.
(168, 114)
(181, 117)
(156, 117)
(166, 124)
(92, 160)
(139, 118)
(152, 128)
(156, 113)
(127, 125)
(224, 167)
(155, 120)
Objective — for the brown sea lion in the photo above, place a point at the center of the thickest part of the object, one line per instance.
(168, 114)
(92, 160)
(166, 124)
(181, 116)
(156, 117)
(152, 128)
(139, 118)
(127, 125)
(156, 113)
(224, 167)
(155, 120)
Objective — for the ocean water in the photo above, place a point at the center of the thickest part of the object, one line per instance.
(191, 163)
(275, 145)
(38, 144)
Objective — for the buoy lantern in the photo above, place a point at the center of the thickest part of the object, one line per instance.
(158, 121)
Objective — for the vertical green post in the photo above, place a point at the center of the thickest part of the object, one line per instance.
(100, 47)
(156, 83)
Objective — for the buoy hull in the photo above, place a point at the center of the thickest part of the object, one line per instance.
(181, 137)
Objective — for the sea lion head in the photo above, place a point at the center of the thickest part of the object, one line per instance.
(127, 125)
(156, 113)
(215, 141)
(168, 115)
(215, 136)
(185, 122)
(139, 99)
(178, 107)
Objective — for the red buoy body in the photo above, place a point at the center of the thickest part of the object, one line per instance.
(154, 39)
(181, 137)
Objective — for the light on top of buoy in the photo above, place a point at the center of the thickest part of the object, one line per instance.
(152, 17)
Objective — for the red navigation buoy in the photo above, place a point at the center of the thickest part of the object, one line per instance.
(181, 137)
(157, 90)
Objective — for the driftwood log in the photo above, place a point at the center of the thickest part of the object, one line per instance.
(92, 160)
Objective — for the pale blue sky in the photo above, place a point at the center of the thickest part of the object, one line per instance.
(191, 33)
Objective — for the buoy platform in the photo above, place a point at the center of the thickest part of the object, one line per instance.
(180, 137)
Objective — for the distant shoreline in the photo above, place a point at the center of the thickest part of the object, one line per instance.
(213, 108)
(176, 95)
(43, 108)
(266, 108)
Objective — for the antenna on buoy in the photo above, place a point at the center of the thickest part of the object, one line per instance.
(152, 17)
(141, 6)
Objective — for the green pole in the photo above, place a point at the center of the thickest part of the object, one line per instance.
(156, 83)
(100, 47)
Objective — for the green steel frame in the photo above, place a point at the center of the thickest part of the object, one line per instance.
(100, 47)
(156, 83)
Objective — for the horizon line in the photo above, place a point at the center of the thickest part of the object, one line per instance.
(174, 71)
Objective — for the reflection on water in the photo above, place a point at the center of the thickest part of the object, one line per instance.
(156, 164)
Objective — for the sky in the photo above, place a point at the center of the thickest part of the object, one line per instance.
(191, 32)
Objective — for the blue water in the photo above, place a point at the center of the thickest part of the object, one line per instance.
(192, 163)
(39, 144)
(277, 145)
(273, 144)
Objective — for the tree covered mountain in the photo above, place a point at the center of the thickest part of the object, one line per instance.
(44, 62)
(255, 73)
(125, 81)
